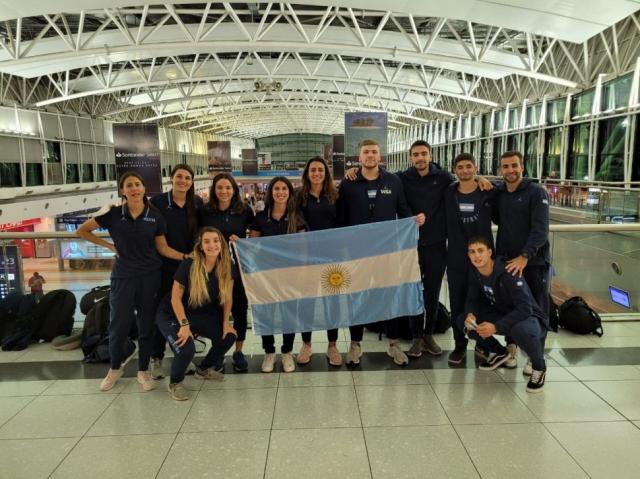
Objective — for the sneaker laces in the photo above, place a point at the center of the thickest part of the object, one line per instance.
(536, 376)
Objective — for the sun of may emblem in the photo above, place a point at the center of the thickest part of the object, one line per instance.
(335, 279)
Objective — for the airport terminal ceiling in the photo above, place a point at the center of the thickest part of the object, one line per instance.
(261, 69)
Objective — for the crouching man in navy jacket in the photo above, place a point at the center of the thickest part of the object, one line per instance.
(500, 303)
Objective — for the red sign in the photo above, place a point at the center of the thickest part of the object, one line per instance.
(19, 224)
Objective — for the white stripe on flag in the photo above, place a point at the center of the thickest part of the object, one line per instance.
(312, 281)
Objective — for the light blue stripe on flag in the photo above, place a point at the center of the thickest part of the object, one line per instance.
(349, 243)
(329, 312)
(307, 282)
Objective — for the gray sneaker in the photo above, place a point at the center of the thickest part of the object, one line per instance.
(178, 392)
(397, 355)
(156, 369)
(429, 345)
(415, 351)
(209, 374)
(354, 354)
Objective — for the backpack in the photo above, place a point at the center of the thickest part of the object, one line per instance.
(554, 315)
(94, 339)
(17, 321)
(92, 297)
(404, 328)
(54, 314)
(577, 316)
(95, 331)
(443, 320)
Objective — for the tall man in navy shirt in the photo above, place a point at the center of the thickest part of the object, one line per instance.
(468, 214)
(424, 186)
(375, 195)
(522, 216)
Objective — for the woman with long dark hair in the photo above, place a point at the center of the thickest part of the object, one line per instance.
(226, 211)
(279, 217)
(137, 230)
(179, 208)
(317, 202)
(199, 303)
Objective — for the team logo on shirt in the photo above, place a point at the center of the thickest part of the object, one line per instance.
(386, 191)
(335, 279)
(149, 219)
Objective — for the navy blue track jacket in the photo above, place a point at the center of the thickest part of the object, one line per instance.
(523, 222)
(425, 194)
(503, 296)
(354, 207)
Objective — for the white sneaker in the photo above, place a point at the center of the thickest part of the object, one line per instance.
(110, 379)
(145, 379)
(268, 363)
(397, 355)
(512, 362)
(528, 368)
(354, 354)
(288, 364)
(156, 369)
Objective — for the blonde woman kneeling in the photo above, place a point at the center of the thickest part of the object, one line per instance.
(199, 303)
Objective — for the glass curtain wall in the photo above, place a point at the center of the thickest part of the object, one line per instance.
(635, 170)
(610, 158)
(578, 159)
(10, 162)
(552, 151)
(615, 94)
(531, 154)
(494, 168)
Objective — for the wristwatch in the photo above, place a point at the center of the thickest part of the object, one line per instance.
(184, 322)
(524, 254)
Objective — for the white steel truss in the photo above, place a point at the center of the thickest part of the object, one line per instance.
(198, 61)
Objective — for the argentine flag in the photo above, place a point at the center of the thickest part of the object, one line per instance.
(332, 278)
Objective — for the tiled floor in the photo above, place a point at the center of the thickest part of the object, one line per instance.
(377, 421)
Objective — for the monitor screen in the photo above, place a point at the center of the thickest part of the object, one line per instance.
(620, 297)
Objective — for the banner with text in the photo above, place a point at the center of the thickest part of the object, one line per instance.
(219, 157)
(364, 126)
(137, 148)
(337, 153)
(249, 162)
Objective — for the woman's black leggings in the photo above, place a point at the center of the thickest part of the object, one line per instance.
(239, 309)
(332, 336)
(201, 325)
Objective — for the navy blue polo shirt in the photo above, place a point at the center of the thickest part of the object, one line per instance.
(268, 226)
(229, 222)
(134, 240)
(211, 309)
(178, 235)
(319, 213)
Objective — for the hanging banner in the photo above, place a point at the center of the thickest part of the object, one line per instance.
(337, 154)
(249, 162)
(264, 161)
(219, 157)
(137, 148)
(364, 126)
(10, 270)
